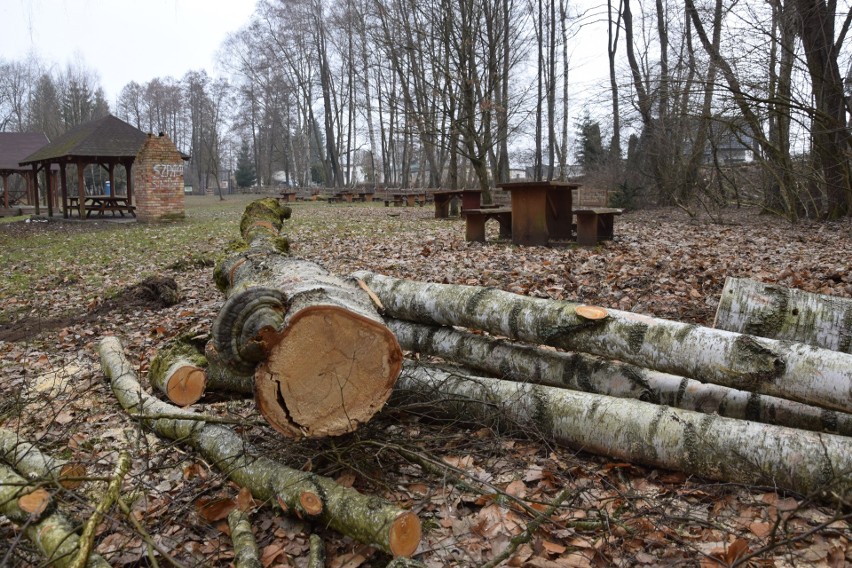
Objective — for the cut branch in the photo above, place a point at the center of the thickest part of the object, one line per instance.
(51, 533)
(777, 312)
(777, 368)
(368, 519)
(246, 554)
(583, 372)
(707, 446)
(28, 460)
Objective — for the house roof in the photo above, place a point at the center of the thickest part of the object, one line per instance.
(107, 137)
(15, 146)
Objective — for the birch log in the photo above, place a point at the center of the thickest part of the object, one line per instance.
(705, 445)
(29, 461)
(787, 370)
(774, 311)
(579, 371)
(364, 518)
(52, 533)
(323, 360)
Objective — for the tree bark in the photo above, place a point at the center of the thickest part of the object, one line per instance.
(705, 445)
(364, 518)
(768, 310)
(52, 534)
(325, 362)
(579, 371)
(35, 465)
(783, 369)
(246, 554)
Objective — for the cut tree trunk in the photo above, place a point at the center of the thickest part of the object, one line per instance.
(323, 360)
(364, 518)
(705, 445)
(778, 368)
(774, 311)
(51, 532)
(579, 371)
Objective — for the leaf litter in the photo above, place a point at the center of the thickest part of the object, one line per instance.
(69, 284)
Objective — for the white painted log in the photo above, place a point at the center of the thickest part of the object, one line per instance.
(579, 371)
(769, 310)
(705, 445)
(778, 368)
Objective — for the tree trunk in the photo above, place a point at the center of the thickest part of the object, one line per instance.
(579, 371)
(768, 310)
(705, 445)
(364, 518)
(325, 360)
(52, 533)
(787, 370)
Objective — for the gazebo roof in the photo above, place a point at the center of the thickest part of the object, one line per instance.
(103, 138)
(15, 146)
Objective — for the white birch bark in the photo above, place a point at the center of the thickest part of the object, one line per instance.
(580, 371)
(705, 445)
(367, 519)
(787, 370)
(774, 311)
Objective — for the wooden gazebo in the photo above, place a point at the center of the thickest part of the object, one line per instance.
(107, 141)
(14, 147)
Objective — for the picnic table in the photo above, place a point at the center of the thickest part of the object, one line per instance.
(470, 199)
(541, 211)
(100, 204)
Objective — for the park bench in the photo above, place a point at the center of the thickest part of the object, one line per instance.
(101, 208)
(595, 224)
(475, 222)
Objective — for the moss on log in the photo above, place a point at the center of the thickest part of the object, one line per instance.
(365, 518)
(787, 370)
(706, 445)
(768, 310)
(580, 371)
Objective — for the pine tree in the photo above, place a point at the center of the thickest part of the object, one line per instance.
(590, 151)
(245, 173)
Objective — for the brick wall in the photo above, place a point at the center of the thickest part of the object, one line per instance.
(158, 180)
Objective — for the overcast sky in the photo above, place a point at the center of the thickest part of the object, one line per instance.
(122, 40)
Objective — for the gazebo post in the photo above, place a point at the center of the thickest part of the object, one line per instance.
(111, 171)
(128, 165)
(64, 183)
(81, 192)
(35, 188)
(6, 191)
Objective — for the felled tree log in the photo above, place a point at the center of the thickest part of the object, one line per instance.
(323, 360)
(183, 373)
(51, 532)
(28, 460)
(583, 372)
(705, 445)
(774, 311)
(367, 519)
(787, 370)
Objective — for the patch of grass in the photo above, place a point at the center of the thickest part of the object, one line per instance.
(14, 219)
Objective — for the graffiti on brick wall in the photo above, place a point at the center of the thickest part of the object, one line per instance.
(168, 170)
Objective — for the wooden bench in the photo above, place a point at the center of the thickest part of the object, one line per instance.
(595, 224)
(103, 208)
(475, 222)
